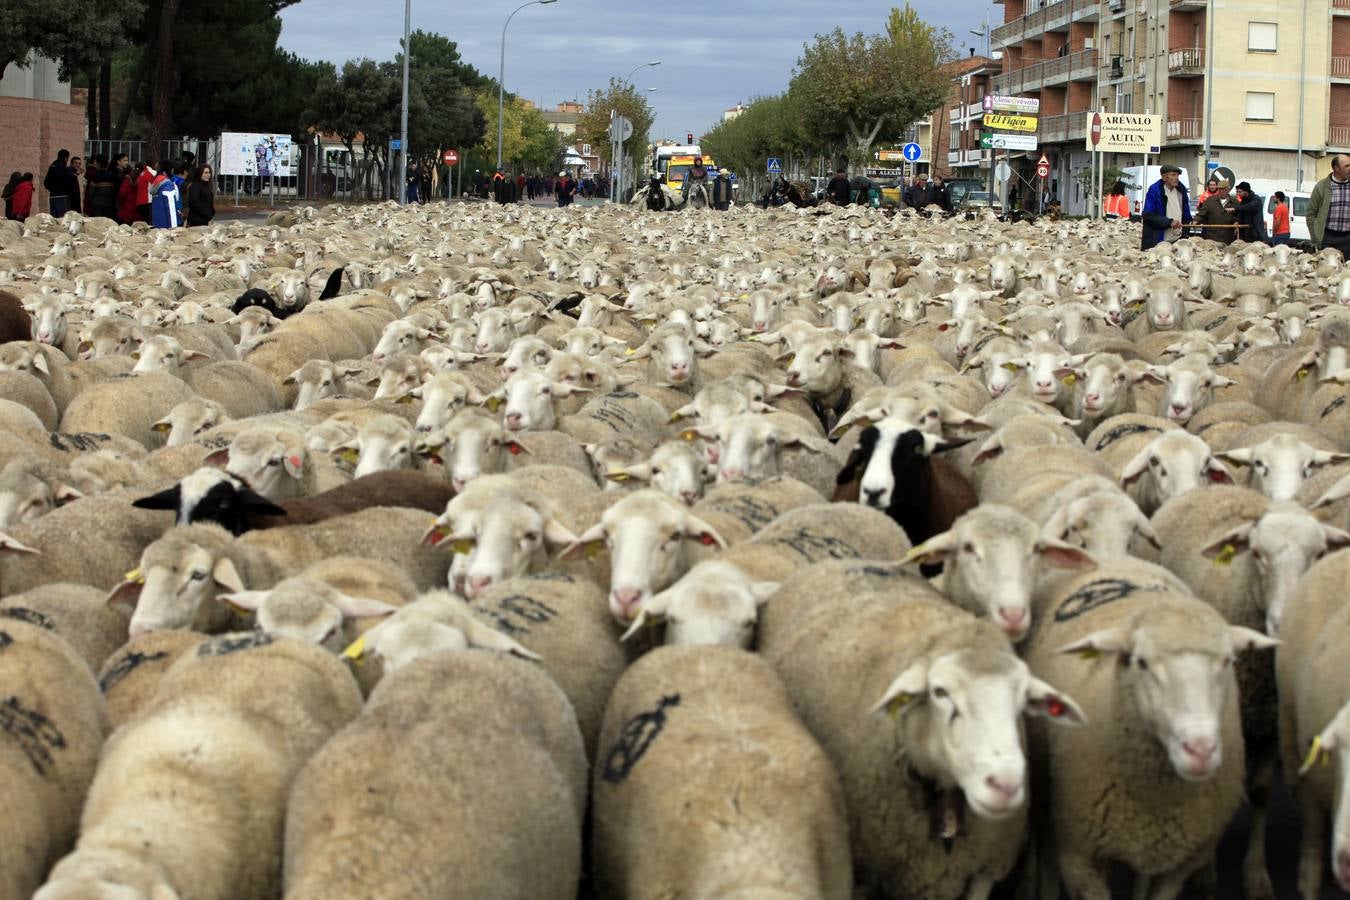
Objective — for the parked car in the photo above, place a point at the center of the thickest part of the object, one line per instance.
(980, 199)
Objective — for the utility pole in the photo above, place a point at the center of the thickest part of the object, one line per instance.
(403, 144)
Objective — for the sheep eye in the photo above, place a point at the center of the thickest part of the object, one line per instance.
(656, 470)
(531, 536)
(967, 547)
(1154, 461)
(199, 574)
(274, 462)
(546, 390)
(1141, 663)
(939, 693)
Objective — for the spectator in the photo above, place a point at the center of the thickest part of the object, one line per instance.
(149, 178)
(103, 183)
(57, 183)
(1248, 209)
(8, 194)
(1115, 205)
(499, 186)
(1166, 209)
(164, 203)
(838, 189)
(95, 164)
(721, 191)
(920, 195)
(73, 189)
(566, 189)
(21, 204)
(201, 197)
(1279, 219)
(411, 190)
(1218, 211)
(1328, 214)
(1211, 188)
(520, 187)
(180, 176)
(944, 199)
(127, 210)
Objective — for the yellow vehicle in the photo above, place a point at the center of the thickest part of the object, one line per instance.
(678, 166)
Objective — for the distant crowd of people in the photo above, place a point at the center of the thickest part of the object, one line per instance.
(1224, 214)
(181, 194)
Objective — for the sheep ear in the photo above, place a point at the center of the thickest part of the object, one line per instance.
(814, 444)
(705, 534)
(1235, 541)
(292, 378)
(165, 499)
(294, 461)
(1335, 537)
(908, 690)
(1062, 555)
(933, 550)
(1239, 457)
(684, 412)
(486, 638)
(1218, 473)
(651, 612)
(249, 601)
(763, 590)
(1323, 745)
(1110, 640)
(1337, 492)
(988, 450)
(219, 459)
(590, 541)
(1145, 529)
(640, 471)
(1250, 639)
(558, 534)
(9, 545)
(1046, 702)
(1327, 457)
(361, 607)
(225, 575)
(66, 494)
(40, 363)
(1134, 468)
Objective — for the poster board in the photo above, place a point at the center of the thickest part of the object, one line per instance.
(247, 153)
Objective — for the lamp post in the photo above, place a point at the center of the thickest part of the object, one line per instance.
(616, 179)
(403, 143)
(501, 75)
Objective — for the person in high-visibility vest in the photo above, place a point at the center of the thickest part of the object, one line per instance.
(1115, 205)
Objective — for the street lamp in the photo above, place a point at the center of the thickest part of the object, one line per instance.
(616, 183)
(501, 75)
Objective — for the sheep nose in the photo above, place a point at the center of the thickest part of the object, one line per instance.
(873, 496)
(1092, 398)
(732, 474)
(477, 584)
(793, 379)
(1043, 385)
(689, 497)
(1199, 752)
(626, 600)
(377, 359)
(1006, 787)
(760, 326)
(480, 347)
(1178, 408)
(1013, 620)
(458, 483)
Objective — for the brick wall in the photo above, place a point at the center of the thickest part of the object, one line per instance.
(31, 131)
(1340, 105)
(1340, 36)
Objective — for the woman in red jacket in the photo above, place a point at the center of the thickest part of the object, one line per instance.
(21, 201)
(127, 211)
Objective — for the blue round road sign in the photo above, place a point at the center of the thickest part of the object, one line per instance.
(913, 152)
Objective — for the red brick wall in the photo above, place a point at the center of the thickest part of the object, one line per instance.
(1340, 36)
(1052, 101)
(1340, 105)
(31, 131)
(1013, 10)
(1181, 30)
(1080, 96)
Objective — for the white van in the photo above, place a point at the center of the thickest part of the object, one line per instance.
(1298, 211)
(1142, 181)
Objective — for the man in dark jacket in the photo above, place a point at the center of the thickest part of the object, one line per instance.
(920, 194)
(57, 183)
(838, 189)
(1248, 209)
(1167, 207)
(103, 183)
(1218, 210)
(721, 191)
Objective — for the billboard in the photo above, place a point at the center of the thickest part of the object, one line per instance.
(244, 153)
(1023, 105)
(1003, 122)
(1125, 132)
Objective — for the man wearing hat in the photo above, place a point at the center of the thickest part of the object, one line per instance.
(721, 191)
(1218, 210)
(1248, 209)
(1329, 208)
(919, 194)
(1167, 207)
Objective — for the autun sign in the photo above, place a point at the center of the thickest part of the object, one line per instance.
(1126, 132)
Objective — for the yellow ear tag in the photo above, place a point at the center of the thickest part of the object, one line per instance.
(351, 456)
(1012, 367)
(1225, 556)
(689, 435)
(463, 546)
(1316, 756)
(406, 398)
(675, 417)
(161, 427)
(618, 476)
(134, 577)
(629, 352)
(593, 549)
(1302, 374)
(1089, 653)
(899, 702)
(1137, 307)
(1070, 380)
(745, 296)
(356, 649)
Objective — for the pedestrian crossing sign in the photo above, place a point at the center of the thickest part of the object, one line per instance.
(775, 166)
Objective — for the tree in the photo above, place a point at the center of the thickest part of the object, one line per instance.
(625, 100)
(448, 116)
(527, 139)
(855, 91)
(363, 101)
(67, 31)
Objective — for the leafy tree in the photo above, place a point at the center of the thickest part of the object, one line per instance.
(527, 139)
(363, 101)
(67, 31)
(625, 100)
(439, 87)
(857, 90)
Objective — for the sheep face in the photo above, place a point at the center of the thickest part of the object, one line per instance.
(472, 445)
(715, 604)
(646, 534)
(1171, 465)
(748, 446)
(495, 333)
(441, 397)
(400, 375)
(1190, 387)
(530, 401)
(181, 579)
(526, 353)
(673, 351)
(307, 610)
(23, 495)
(816, 367)
(49, 321)
(766, 311)
(1281, 464)
(317, 380)
(384, 444)
(493, 541)
(960, 713)
(292, 291)
(674, 469)
(1106, 382)
(1164, 308)
(271, 464)
(1042, 365)
(1176, 672)
(162, 353)
(400, 336)
(189, 419)
(1103, 523)
(995, 360)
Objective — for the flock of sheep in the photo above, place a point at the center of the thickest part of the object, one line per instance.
(492, 552)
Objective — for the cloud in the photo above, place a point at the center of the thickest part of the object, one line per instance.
(713, 54)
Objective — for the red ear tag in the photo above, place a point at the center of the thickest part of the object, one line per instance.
(1055, 708)
(706, 539)
(296, 461)
(1218, 477)
(514, 448)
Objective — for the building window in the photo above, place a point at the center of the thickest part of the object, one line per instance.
(1261, 37)
(1260, 107)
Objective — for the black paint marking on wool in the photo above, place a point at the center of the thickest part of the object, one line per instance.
(635, 740)
(1333, 406)
(226, 645)
(1121, 431)
(816, 547)
(36, 735)
(31, 616)
(125, 666)
(1096, 594)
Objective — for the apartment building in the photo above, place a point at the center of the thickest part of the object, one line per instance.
(965, 116)
(1270, 87)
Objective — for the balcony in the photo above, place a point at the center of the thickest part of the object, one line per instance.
(1340, 7)
(1068, 127)
(1338, 136)
(1054, 16)
(1186, 62)
(1180, 5)
(1340, 67)
(1081, 66)
(1185, 130)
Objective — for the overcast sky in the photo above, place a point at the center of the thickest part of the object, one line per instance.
(714, 53)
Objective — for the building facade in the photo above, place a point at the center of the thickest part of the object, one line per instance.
(37, 119)
(1273, 98)
(964, 118)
